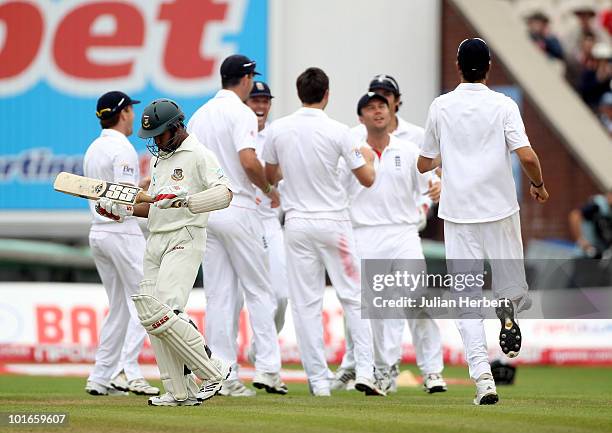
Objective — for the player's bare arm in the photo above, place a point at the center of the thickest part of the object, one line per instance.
(531, 166)
(255, 172)
(366, 173)
(425, 164)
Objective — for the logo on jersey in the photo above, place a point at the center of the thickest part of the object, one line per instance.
(128, 170)
(398, 162)
(178, 174)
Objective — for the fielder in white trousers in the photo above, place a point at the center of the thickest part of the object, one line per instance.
(478, 241)
(312, 247)
(236, 263)
(121, 337)
(397, 242)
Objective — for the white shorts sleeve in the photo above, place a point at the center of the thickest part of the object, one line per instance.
(244, 132)
(431, 141)
(514, 129)
(350, 151)
(125, 168)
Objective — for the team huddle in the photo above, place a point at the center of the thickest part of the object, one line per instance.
(343, 195)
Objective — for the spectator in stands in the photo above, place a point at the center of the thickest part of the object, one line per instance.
(605, 111)
(596, 74)
(591, 226)
(539, 31)
(578, 60)
(606, 20)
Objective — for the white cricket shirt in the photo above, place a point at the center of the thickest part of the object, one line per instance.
(264, 210)
(405, 131)
(308, 145)
(111, 157)
(226, 125)
(397, 190)
(192, 166)
(474, 129)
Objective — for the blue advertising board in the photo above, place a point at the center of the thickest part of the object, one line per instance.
(58, 57)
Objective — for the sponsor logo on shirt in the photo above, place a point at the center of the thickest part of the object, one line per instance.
(178, 174)
(128, 170)
(398, 162)
(357, 153)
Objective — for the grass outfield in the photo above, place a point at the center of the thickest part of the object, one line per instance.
(544, 399)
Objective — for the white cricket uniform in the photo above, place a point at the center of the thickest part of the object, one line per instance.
(475, 129)
(177, 239)
(112, 157)
(385, 218)
(411, 135)
(235, 258)
(274, 242)
(307, 146)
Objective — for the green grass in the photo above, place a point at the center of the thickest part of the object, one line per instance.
(544, 399)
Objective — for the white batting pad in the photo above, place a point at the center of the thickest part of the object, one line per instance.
(170, 366)
(186, 342)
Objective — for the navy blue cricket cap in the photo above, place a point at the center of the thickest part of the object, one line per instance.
(385, 82)
(113, 102)
(260, 88)
(237, 65)
(365, 100)
(473, 55)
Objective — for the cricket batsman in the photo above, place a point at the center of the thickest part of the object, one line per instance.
(187, 182)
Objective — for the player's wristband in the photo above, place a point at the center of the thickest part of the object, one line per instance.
(536, 186)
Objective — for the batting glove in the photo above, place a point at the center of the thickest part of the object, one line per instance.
(112, 210)
(167, 196)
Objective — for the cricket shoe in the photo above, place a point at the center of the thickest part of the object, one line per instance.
(235, 388)
(168, 399)
(344, 379)
(210, 388)
(142, 387)
(384, 379)
(394, 373)
(510, 333)
(271, 382)
(320, 389)
(369, 387)
(94, 388)
(120, 382)
(486, 393)
(434, 383)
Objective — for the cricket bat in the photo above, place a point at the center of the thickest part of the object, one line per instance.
(94, 189)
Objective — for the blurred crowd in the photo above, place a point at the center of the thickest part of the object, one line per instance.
(577, 34)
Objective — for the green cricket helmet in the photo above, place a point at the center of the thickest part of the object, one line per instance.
(158, 116)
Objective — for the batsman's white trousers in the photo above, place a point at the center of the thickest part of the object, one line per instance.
(236, 263)
(492, 240)
(397, 242)
(118, 258)
(312, 247)
(171, 264)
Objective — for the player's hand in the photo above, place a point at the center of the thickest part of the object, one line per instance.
(274, 197)
(368, 154)
(112, 210)
(422, 217)
(167, 196)
(435, 188)
(539, 194)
